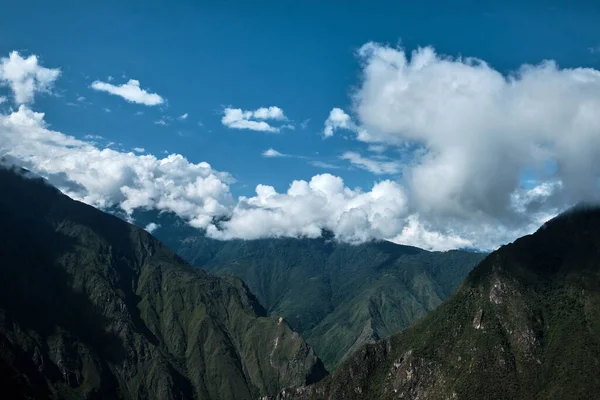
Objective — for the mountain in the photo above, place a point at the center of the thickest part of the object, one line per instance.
(92, 307)
(337, 296)
(525, 324)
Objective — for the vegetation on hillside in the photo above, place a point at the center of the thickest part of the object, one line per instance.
(525, 324)
(338, 296)
(92, 307)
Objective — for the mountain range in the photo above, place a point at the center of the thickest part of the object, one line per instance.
(337, 296)
(92, 307)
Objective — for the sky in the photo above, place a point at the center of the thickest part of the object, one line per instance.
(462, 125)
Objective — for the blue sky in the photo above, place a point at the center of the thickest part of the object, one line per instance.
(202, 57)
(299, 56)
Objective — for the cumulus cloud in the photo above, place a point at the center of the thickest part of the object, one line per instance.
(322, 203)
(478, 130)
(338, 119)
(273, 153)
(139, 149)
(484, 158)
(182, 117)
(104, 177)
(237, 118)
(130, 91)
(379, 167)
(25, 76)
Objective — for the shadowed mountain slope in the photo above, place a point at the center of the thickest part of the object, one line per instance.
(92, 307)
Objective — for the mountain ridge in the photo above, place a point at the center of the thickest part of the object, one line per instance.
(523, 325)
(93, 307)
(332, 293)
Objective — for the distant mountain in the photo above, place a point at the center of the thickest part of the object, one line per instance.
(525, 324)
(338, 296)
(94, 308)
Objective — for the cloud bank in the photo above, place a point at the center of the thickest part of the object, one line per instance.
(490, 158)
(106, 178)
(322, 203)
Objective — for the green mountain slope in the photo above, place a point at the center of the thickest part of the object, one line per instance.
(92, 307)
(525, 324)
(337, 296)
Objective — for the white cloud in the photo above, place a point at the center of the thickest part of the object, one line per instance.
(322, 203)
(139, 149)
(338, 119)
(275, 113)
(161, 122)
(182, 117)
(151, 227)
(81, 98)
(378, 167)
(477, 130)
(237, 118)
(130, 91)
(25, 76)
(273, 153)
(2, 99)
(472, 135)
(104, 177)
